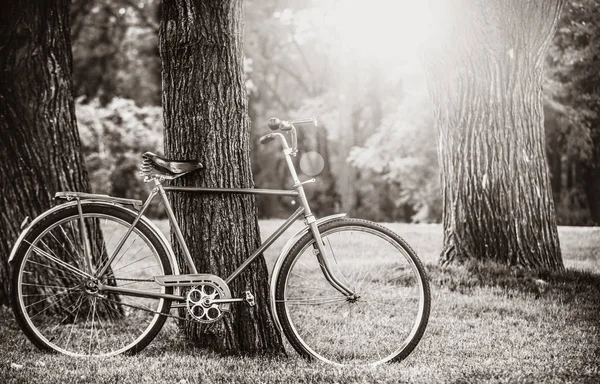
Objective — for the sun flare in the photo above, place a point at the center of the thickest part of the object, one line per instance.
(381, 29)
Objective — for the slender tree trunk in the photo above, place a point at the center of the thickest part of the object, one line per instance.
(346, 174)
(592, 191)
(591, 171)
(40, 148)
(485, 77)
(205, 111)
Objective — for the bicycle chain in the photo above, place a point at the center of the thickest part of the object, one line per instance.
(144, 309)
(140, 280)
(191, 320)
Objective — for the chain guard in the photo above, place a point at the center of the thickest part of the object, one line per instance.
(201, 287)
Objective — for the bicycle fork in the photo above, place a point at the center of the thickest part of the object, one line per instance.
(309, 219)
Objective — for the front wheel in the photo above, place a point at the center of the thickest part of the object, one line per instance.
(384, 319)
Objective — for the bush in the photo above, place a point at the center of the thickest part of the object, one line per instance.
(113, 138)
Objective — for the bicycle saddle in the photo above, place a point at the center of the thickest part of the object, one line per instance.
(174, 167)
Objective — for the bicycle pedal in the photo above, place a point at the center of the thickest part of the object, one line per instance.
(249, 298)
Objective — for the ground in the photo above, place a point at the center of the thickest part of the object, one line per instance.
(488, 324)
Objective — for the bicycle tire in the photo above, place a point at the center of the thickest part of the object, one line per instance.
(307, 303)
(50, 301)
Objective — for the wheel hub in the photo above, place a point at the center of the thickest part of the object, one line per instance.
(354, 298)
(91, 287)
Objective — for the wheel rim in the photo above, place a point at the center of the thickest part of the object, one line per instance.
(62, 308)
(376, 327)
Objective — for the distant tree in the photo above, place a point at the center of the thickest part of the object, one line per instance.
(402, 151)
(286, 79)
(485, 72)
(205, 113)
(40, 148)
(573, 102)
(115, 50)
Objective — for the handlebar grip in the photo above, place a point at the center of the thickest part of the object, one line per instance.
(285, 126)
(274, 123)
(267, 139)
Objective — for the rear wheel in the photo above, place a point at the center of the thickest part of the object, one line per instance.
(385, 319)
(56, 299)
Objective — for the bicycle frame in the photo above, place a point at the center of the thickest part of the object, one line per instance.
(160, 190)
(303, 210)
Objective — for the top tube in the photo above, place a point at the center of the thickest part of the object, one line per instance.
(246, 191)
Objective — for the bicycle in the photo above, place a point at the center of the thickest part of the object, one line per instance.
(93, 276)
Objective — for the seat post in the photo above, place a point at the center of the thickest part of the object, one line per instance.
(174, 225)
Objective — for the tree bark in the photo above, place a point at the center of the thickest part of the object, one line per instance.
(485, 78)
(40, 148)
(205, 112)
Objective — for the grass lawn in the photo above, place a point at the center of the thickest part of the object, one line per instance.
(487, 324)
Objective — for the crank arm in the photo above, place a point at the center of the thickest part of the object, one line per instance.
(226, 301)
(248, 298)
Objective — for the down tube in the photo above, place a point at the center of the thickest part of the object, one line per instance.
(266, 244)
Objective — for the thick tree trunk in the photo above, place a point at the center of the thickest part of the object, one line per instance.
(485, 78)
(40, 148)
(205, 111)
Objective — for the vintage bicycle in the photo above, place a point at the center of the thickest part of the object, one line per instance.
(93, 276)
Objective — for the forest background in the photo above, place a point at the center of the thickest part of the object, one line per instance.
(374, 152)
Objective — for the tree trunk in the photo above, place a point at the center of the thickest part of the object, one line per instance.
(591, 170)
(485, 77)
(592, 191)
(205, 112)
(40, 148)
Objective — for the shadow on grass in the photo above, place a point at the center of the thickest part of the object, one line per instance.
(577, 290)
(571, 287)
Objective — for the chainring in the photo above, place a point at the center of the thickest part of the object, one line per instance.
(199, 306)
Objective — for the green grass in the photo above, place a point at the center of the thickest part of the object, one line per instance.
(488, 324)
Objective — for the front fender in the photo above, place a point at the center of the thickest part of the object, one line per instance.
(282, 255)
(107, 202)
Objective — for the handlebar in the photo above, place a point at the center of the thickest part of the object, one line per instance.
(267, 139)
(272, 136)
(285, 126)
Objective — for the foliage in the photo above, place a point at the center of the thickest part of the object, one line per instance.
(402, 152)
(297, 66)
(115, 50)
(283, 73)
(292, 65)
(300, 69)
(113, 137)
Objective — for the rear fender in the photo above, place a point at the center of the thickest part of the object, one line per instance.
(102, 200)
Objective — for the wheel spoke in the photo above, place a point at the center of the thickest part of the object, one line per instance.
(60, 303)
(338, 266)
(369, 328)
(50, 297)
(309, 301)
(69, 268)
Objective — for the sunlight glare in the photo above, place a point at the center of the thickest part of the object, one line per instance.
(387, 30)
